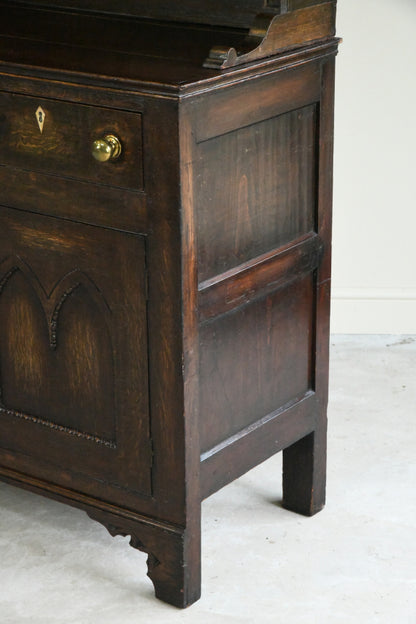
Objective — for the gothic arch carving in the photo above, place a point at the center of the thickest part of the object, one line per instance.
(78, 378)
(53, 301)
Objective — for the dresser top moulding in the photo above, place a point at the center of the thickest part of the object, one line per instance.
(134, 41)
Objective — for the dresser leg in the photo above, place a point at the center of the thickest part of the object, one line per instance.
(174, 554)
(177, 576)
(304, 474)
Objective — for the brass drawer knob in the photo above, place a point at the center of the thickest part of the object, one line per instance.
(108, 148)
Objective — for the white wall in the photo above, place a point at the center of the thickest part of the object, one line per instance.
(374, 244)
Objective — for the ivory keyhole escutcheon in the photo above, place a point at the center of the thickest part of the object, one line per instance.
(40, 118)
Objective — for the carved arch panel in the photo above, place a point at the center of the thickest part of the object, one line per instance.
(48, 337)
(73, 352)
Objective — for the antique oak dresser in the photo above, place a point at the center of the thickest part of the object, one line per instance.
(165, 223)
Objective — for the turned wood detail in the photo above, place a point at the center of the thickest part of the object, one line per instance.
(272, 33)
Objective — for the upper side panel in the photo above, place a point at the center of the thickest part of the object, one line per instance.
(255, 170)
(256, 190)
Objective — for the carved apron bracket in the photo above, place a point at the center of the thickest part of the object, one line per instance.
(166, 548)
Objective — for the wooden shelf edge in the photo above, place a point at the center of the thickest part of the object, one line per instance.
(271, 34)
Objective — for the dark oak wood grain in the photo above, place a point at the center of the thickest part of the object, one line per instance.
(105, 206)
(304, 464)
(164, 317)
(237, 221)
(73, 357)
(64, 145)
(255, 443)
(271, 341)
(259, 277)
(207, 12)
(273, 33)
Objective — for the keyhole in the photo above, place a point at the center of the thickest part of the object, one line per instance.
(40, 117)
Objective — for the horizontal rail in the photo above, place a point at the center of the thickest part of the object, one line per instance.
(258, 277)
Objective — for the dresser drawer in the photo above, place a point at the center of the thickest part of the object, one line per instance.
(57, 138)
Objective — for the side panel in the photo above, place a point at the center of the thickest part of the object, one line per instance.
(256, 187)
(257, 203)
(262, 235)
(255, 360)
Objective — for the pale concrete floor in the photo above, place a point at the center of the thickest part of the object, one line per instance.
(355, 562)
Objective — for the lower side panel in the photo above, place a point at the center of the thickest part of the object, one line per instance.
(238, 454)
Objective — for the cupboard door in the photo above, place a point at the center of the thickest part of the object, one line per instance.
(73, 353)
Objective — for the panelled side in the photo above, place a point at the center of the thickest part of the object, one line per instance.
(258, 250)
